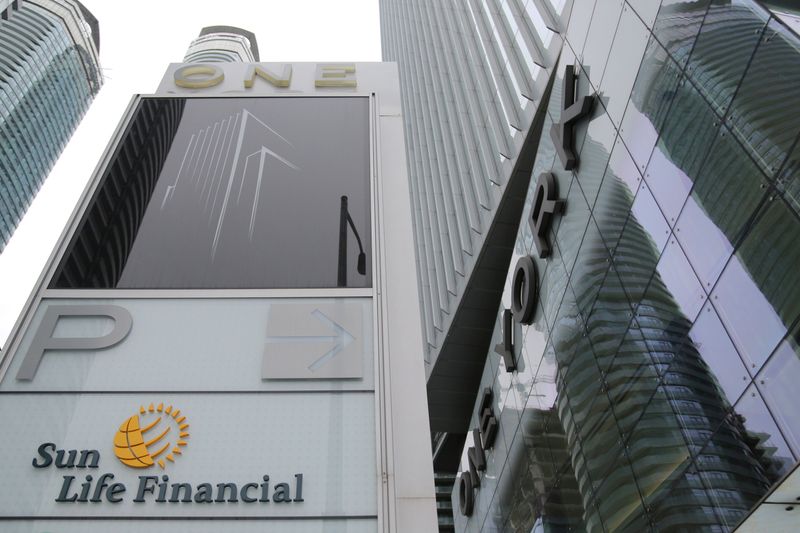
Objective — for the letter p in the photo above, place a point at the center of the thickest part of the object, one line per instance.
(44, 340)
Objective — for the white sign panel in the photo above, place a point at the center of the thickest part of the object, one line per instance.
(247, 344)
(183, 455)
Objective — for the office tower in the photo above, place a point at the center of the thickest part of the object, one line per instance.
(49, 74)
(606, 206)
(221, 44)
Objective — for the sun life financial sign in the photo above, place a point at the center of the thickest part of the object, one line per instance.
(142, 442)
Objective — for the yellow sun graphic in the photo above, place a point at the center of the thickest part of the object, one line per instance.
(133, 450)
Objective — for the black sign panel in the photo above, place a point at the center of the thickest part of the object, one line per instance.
(256, 193)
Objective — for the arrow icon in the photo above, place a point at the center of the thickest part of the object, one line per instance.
(341, 338)
(307, 341)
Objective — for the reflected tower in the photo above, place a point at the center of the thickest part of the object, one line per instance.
(665, 333)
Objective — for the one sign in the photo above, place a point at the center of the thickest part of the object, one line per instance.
(255, 78)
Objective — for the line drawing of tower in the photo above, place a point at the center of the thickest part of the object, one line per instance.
(206, 179)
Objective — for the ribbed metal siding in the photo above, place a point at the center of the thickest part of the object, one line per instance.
(471, 75)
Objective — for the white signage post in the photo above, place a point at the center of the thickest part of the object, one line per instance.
(137, 394)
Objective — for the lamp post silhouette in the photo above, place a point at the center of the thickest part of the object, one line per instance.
(344, 220)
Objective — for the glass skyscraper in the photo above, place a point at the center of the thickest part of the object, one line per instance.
(222, 44)
(653, 388)
(49, 74)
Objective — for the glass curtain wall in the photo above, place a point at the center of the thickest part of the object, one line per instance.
(656, 389)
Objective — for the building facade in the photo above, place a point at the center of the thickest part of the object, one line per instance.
(221, 44)
(635, 251)
(49, 74)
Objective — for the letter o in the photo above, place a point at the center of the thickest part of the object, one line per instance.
(524, 290)
(212, 75)
(466, 498)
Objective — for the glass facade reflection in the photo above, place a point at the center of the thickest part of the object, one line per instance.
(255, 192)
(222, 44)
(49, 74)
(653, 390)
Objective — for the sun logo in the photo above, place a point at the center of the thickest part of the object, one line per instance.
(133, 450)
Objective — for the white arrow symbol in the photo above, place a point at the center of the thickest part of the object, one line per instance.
(342, 339)
(314, 341)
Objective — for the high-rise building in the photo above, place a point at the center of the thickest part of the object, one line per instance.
(49, 74)
(606, 218)
(221, 44)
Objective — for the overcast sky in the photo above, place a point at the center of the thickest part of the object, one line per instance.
(137, 41)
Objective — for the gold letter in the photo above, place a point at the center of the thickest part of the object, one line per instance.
(256, 69)
(335, 75)
(213, 75)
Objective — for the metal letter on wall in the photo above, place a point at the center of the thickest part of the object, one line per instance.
(284, 79)
(202, 76)
(572, 112)
(506, 348)
(335, 75)
(483, 439)
(545, 205)
(524, 290)
(44, 340)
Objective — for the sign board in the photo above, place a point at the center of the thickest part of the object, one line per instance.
(65, 455)
(227, 335)
(208, 344)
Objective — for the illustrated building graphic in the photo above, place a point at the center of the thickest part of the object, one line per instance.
(49, 74)
(653, 385)
(227, 334)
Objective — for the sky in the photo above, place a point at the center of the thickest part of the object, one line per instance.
(137, 42)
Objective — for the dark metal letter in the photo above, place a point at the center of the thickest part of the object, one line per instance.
(572, 112)
(524, 290)
(508, 341)
(488, 422)
(545, 205)
(466, 498)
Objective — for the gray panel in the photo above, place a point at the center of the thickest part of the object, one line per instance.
(314, 341)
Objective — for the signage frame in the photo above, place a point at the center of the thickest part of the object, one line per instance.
(386, 512)
(41, 288)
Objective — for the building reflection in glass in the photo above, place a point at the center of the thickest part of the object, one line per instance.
(250, 189)
(670, 300)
